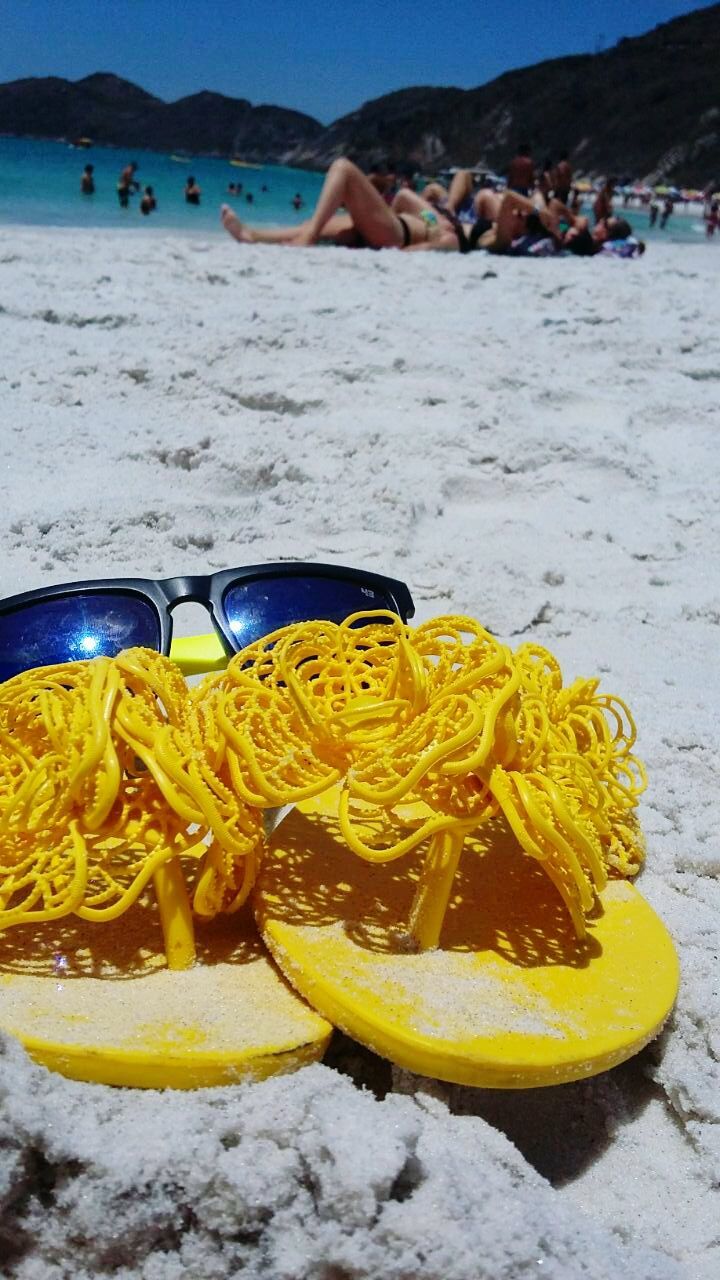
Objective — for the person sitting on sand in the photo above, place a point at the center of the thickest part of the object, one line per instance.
(521, 171)
(87, 181)
(192, 191)
(412, 223)
(148, 203)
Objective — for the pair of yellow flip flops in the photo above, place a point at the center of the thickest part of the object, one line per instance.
(516, 964)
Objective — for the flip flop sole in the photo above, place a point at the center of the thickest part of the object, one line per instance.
(510, 999)
(97, 1003)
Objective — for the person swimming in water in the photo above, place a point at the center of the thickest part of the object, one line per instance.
(148, 202)
(87, 181)
(412, 223)
(127, 183)
(192, 191)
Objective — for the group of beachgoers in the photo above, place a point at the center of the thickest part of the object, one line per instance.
(128, 185)
(236, 189)
(535, 215)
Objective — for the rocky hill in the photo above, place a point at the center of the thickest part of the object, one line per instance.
(114, 111)
(649, 108)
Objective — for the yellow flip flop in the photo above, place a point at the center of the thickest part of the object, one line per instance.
(98, 1003)
(528, 959)
(108, 971)
(510, 998)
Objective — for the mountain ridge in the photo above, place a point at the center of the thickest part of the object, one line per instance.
(649, 108)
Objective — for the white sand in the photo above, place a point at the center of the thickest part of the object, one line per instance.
(531, 442)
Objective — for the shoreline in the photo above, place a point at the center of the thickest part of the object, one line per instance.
(142, 228)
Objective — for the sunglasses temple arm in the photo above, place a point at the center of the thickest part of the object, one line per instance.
(197, 654)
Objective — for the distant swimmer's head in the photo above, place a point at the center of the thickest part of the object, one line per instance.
(191, 181)
(134, 165)
(89, 168)
(149, 191)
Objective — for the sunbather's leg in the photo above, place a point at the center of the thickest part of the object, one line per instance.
(335, 227)
(487, 204)
(407, 201)
(346, 185)
(460, 188)
(435, 193)
(253, 235)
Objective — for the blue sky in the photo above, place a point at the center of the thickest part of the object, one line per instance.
(323, 58)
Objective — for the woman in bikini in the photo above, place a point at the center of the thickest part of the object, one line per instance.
(369, 221)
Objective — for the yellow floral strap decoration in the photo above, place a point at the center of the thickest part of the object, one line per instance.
(114, 775)
(442, 716)
(105, 786)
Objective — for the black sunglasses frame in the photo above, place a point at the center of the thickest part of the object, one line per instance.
(210, 590)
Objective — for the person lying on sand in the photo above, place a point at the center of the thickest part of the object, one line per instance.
(412, 223)
(481, 209)
(519, 225)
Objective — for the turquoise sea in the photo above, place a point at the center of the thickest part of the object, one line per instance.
(40, 186)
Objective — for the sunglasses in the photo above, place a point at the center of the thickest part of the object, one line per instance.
(77, 620)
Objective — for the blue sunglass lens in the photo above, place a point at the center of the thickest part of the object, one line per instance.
(255, 608)
(69, 628)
